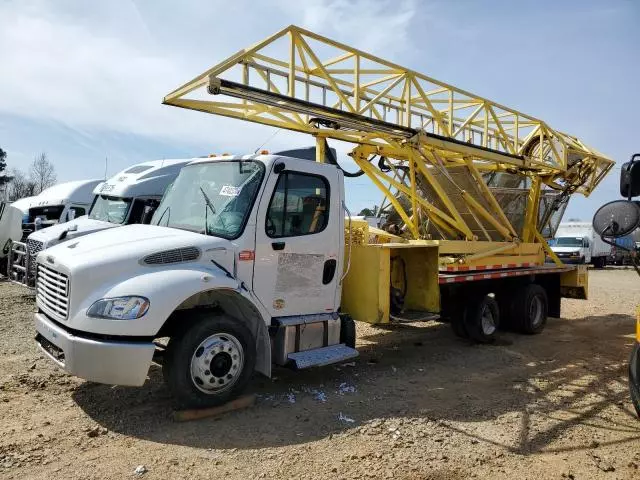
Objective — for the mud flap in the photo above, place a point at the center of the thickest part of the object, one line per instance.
(634, 377)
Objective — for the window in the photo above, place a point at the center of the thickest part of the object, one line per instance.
(79, 211)
(212, 198)
(299, 206)
(138, 169)
(110, 209)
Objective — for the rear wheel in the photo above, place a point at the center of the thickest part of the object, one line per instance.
(211, 363)
(528, 309)
(634, 377)
(482, 318)
(456, 319)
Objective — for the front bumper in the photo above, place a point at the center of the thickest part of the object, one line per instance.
(634, 377)
(111, 362)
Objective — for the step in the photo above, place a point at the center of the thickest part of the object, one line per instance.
(319, 357)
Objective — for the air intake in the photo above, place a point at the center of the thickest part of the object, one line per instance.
(177, 255)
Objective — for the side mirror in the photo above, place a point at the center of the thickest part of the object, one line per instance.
(630, 178)
(617, 219)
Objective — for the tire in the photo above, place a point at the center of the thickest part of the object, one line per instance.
(634, 377)
(482, 318)
(528, 309)
(457, 321)
(211, 362)
(347, 331)
(582, 261)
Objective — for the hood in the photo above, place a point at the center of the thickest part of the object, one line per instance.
(119, 250)
(76, 228)
(565, 249)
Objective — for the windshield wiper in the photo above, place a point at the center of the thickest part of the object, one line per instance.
(208, 201)
(209, 206)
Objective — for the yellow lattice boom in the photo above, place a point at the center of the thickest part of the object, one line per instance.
(425, 129)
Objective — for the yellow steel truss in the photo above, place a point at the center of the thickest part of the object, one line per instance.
(301, 81)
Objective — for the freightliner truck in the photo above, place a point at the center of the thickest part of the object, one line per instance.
(128, 197)
(252, 261)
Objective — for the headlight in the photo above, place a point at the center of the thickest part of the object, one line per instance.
(119, 308)
(575, 254)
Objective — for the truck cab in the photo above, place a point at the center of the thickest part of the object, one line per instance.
(59, 204)
(54, 205)
(241, 267)
(128, 197)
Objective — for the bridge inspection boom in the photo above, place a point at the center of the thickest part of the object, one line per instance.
(452, 165)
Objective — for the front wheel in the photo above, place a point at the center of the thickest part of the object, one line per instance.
(211, 363)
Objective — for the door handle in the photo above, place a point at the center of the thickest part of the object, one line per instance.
(278, 245)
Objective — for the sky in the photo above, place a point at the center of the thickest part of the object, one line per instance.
(83, 81)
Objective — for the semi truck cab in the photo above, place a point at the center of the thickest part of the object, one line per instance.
(128, 197)
(241, 266)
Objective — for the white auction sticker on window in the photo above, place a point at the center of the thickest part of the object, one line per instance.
(230, 191)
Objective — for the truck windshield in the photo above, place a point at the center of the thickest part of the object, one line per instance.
(568, 242)
(46, 214)
(213, 198)
(110, 209)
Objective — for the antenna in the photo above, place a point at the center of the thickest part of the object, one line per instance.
(106, 163)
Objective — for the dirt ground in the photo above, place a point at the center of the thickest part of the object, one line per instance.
(417, 403)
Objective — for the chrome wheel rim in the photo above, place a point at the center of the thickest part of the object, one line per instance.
(535, 311)
(487, 321)
(216, 364)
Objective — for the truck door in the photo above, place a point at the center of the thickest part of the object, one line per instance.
(299, 239)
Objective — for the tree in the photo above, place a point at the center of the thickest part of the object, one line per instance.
(3, 160)
(42, 173)
(368, 212)
(19, 186)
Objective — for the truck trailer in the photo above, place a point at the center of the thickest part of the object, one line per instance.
(255, 260)
(130, 196)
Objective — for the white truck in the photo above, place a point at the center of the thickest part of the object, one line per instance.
(249, 262)
(54, 205)
(128, 197)
(10, 231)
(577, 242)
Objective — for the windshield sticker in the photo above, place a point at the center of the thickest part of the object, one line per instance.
(230, 191)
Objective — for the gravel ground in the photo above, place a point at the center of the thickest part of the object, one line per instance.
(417, 403)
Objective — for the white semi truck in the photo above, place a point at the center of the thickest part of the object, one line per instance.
(54, 205)
(577, 242)
(128, 197)
(10, 231)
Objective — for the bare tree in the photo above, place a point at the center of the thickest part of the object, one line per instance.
(20, 186)
(42, 173)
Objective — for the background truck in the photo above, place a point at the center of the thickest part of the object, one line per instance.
(250, 261)
(621, 251)
(10, 231)
(130, 196)
(577, 242)
(54, 205)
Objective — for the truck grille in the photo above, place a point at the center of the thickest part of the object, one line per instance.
(52, 291)
(33, 248)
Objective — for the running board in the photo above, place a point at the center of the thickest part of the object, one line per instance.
(319, 357)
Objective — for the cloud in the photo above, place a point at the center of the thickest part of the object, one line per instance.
(107, 65)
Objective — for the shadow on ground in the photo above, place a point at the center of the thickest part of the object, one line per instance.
(569, 375)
